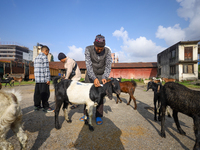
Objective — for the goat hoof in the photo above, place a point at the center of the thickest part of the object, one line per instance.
(57, 127)
(182, 132)
(163, 135)
(159, 118)
(128, 103)
(69, 121)
(86, 122)
(91, 128)
(155, 119)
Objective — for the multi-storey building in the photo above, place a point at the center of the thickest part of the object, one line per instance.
(37, 50)
(180, 61)
(15, 52)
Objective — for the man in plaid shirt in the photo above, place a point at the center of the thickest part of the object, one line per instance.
(42, 79)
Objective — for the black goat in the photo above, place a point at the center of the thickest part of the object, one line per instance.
(69, 91)
(7, 81)
(184, 100)
(156, 89)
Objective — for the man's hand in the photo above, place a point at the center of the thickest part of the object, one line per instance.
(104, 81)
(48, 82)
(96, 83)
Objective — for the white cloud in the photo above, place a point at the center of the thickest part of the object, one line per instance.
(190, 11)
(76, 53)
(171, 35)
(136, 50)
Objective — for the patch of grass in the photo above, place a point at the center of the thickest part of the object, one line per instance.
(22, 83)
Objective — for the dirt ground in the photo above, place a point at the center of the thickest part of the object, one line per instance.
(122, 128)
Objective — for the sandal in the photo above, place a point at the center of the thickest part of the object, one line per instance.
(98, 119)
(83, 118)
(74, 106)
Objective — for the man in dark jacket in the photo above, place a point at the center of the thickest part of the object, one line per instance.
(98, 63)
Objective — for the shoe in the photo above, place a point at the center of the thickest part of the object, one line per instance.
(48, 110)
(74, 106)
(82, 118)
(37, 108)
(99, 121)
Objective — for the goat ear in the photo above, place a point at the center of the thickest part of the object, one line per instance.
(109, 93)
(113, 84)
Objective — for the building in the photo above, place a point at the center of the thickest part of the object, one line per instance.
(180, 61)
(114, 59)
(15, 52)
(37, 50)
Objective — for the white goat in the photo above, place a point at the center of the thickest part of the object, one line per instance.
(68, 91)
(11, 117)
(154, 78)
(146, 81)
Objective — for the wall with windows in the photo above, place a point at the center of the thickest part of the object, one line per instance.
(179, 61)
(188, 72)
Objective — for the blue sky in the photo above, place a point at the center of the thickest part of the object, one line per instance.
(136, 31)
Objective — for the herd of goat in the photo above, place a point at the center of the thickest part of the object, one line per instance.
(174, 95)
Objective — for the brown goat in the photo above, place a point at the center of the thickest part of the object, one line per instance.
(156, 81)
(127, 87)
(169, 80)
(18, 80)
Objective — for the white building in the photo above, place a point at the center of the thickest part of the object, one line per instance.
(179, 61)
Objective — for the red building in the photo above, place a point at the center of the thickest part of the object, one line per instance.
(134, 70)
(124, 70)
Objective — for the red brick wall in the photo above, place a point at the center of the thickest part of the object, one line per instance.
(135, 73)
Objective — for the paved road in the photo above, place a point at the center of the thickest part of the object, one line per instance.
(122, 128)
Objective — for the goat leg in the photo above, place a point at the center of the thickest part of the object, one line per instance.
(168, 113)
(118, 98)
(196, 120)
(17, 129)
(163, 109)
(5, 145)
(175, 116)
(58, 105)
(155, 109)
(90, 112)
(65, 110)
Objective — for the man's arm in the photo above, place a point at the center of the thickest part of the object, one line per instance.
(69, 66)
(46, 69)
(88, 63)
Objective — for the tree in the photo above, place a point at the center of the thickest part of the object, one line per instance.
(52, 59)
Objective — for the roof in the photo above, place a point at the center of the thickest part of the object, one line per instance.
(5, 60)
(60, 65)
(82, 65)
(180, 43)
(135, 65)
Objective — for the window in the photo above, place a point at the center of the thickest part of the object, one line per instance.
(188, 53)
(187, 68)
(173, 70)
(159, 71)
(173, 54)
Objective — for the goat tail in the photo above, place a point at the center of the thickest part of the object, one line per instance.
(134, 83)
(55, 80)
(15, 95)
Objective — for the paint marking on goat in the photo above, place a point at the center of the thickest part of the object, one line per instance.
(76, 94)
